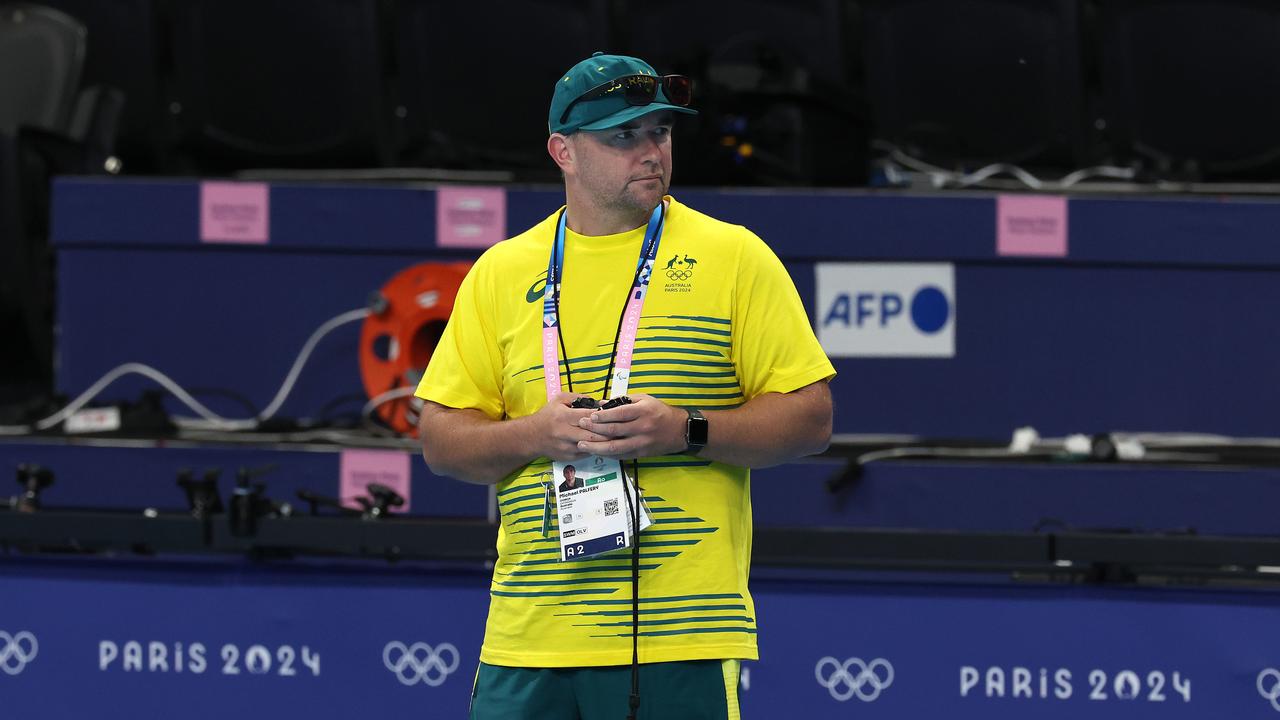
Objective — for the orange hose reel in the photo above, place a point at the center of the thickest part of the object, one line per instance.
(405, 321)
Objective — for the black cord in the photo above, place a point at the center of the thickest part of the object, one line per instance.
(634, 502)
(244, 401)
(568, 373)
(613, 356)
(324, 412)
(635, 594)
(622, 314)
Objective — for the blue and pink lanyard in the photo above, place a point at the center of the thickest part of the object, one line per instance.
(630, 322)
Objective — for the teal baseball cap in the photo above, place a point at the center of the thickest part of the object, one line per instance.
(605, 91)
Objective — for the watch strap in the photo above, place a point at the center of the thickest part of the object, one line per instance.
(695, 431)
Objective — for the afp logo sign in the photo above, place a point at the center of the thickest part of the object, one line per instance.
(887, 309)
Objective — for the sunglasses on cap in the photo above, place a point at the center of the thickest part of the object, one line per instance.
(638, 90)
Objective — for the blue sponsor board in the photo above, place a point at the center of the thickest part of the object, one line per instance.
(1014, 652)
(219, 639)
(224, 638)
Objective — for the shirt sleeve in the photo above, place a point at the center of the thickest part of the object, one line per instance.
(465, 367)
(774, 348)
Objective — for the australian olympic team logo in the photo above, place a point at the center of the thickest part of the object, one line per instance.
(854, 677)
(16, 651)
(1269, 687)
(680, 269)
(420, 663)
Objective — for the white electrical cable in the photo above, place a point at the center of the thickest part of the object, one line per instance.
(892, 453)
(874, 439)
(192, 431)
(208, 420)
(113, 375)
(1191, 440)
(981, 174)
(346, 438)
(941, 177)
(285, 388)
(366, 414)
(1107, 171)
(320, 332)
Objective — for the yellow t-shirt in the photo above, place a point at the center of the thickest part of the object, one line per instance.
(722, 323)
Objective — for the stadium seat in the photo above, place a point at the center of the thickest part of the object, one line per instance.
(773, 82)
(125, 51)
(41, 56)
(964, 83)
(1192, 89)
(476, 89)
(278, 83)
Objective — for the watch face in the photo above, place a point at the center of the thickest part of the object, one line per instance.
(697, 431)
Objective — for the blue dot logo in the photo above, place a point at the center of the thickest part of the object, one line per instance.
(930, 309)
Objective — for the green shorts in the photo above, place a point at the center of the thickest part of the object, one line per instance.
(689, 690)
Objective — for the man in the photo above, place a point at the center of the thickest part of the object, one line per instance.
(570, 479)
(725, 374)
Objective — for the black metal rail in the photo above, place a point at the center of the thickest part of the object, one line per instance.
(1093, 556)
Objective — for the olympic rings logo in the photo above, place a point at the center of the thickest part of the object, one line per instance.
(679, 275)
(867, 683)
(16, 651)
(420, 662)
(1269, 686)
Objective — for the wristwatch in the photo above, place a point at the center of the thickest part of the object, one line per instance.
(695, 431)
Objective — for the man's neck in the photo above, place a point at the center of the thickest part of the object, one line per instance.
(584, 219)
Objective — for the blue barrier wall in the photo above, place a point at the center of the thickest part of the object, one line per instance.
(1155, 319)
(218, 639)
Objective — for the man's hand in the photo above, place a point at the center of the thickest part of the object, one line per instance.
(647, 427)
(558, 432)
(465, 444)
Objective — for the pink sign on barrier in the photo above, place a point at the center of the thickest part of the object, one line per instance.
(470, 217)
(1031, 225)
(358, 468)
(233, 212)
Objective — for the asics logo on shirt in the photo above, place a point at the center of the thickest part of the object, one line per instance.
(534, 294)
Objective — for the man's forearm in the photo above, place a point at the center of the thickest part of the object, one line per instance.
(766, 430)
(466, 445)
(772, 428)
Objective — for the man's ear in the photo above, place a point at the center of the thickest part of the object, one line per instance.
(561, 150)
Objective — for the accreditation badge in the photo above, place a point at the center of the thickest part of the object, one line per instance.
(593, 505)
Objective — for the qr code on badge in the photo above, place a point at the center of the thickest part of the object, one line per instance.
(568, 518)
(611, 507)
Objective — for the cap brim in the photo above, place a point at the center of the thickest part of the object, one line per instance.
(632, 112)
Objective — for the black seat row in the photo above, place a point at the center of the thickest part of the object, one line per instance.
(793, 91)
